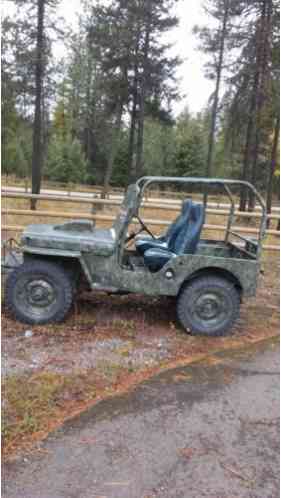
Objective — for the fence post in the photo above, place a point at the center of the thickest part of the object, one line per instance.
(95, 205)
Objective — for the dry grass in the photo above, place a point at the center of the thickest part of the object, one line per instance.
(31, 401)
(36, 402)
(73, 187)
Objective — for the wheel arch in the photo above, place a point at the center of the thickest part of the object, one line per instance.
(72, 264)
(215, 272)
(58, 259)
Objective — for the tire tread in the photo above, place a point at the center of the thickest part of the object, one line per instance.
(199, 283)
(46, 267)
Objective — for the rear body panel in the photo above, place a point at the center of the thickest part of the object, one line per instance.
(104, 272)
(107, 272)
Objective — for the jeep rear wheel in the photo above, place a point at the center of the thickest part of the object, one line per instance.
(39, 292)
(208, 306)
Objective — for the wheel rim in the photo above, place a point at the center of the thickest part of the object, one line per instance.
(36, 296)
(210, 309)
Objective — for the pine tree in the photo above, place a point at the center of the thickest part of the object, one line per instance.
(132, 68)
(31, 56)
(246, 110)
(216, 43)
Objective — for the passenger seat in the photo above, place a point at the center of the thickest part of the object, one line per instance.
(164, 242)
(185, 243)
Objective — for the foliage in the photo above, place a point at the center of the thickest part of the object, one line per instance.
(159, 147)
(65, 162)
(17, 151)
(191, 147)
(248, 109)
(106, 109)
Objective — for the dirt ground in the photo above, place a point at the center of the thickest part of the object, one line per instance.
(108, 344)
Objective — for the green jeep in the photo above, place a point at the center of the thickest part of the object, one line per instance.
(208, 278)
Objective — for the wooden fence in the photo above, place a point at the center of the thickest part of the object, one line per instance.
(106, 218)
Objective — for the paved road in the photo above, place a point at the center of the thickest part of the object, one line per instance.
(203, 431)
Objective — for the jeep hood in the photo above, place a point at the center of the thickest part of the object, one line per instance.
(78, 236)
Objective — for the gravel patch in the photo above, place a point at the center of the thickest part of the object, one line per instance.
(22, 354)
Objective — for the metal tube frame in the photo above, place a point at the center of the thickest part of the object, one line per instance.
(145, 182)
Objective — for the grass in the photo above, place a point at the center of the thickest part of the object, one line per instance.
(32, 402)
(109, 371)
(36, 403)
(12, 180)
(126, 327)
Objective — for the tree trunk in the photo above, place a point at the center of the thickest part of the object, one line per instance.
(139, 158)
(140, 130)
(131, 167)
(37, 153)
(273, 162)
(216, 95)
(45, 127)
(131, 149)
(249, 139)
(251, 195)
(88, 99)
(262, 61)
(113, 150)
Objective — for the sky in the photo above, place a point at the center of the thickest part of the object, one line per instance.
(194, 87)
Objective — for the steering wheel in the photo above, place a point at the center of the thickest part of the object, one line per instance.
(144, 228)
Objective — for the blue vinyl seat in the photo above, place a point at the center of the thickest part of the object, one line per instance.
(164, 242)
(185, 243)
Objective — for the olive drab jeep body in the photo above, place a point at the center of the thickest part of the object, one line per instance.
(208, 278)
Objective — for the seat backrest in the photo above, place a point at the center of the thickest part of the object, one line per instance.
(179, 223)
(188, 238)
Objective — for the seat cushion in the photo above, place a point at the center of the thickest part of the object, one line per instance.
(143, 245)
(155, 258)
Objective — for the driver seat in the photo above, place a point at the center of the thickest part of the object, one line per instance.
(164, 242)
(185, 243)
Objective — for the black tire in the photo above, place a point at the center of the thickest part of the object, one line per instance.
(39, 292)
(208, 306)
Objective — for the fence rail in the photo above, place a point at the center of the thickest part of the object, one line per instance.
(112, 198)
(147, 204)
(93, 201)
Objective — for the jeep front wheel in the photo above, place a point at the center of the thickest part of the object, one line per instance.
(208, 306)
(39, 292)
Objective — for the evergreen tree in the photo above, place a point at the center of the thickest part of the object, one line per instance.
(30, 55)
(215, 42)
(191, 146)
(246, 110)
(66, 162)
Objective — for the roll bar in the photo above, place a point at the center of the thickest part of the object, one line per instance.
(146, 181)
